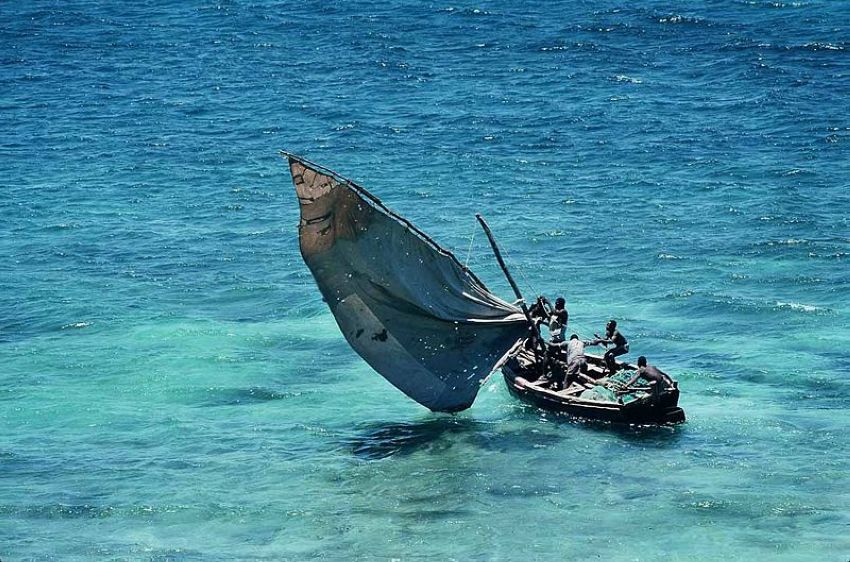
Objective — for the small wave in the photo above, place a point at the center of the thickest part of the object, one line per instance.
(64, 226)
(787, 242)
(245, 396)
(774, 4)
(76, 325)
(687, 293)
(679, 19)
(465, 11)
(833, 256)
(578, 46)
(822, 47)
(796, 172)
(663, 256)
(781, 220)
(799, 307)
(746, 306)
(627, 79)
(59, 511)
(809, 47)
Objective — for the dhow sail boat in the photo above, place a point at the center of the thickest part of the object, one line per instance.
(428, 325)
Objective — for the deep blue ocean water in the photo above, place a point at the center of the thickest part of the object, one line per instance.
(172, 386)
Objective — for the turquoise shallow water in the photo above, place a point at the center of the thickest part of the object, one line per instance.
(173, 387)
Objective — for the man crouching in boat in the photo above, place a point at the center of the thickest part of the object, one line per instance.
(560, 374)
(655, 376)
(577, 362)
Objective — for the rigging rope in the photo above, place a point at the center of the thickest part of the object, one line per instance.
(579, 328)
(525, 278)
(469, 251)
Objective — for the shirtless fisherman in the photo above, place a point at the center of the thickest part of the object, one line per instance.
(621, 345)
(655, 376)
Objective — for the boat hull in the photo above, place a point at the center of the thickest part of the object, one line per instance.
(651, 410)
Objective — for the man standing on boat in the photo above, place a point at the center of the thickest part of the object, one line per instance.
(560, 313)
(618, 340)
(556, 320)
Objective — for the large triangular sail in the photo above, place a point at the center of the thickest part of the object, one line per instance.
(406, 305)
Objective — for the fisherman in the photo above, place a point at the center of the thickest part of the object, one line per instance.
(540, 310)
(576, 361)
(554, 357)
(539, 313)
(615, 338)
(655, 376)
(560, 312)
(558, 319)
(556, 373)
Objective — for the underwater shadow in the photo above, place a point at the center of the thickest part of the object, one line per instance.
(220, 396)
(380, 440)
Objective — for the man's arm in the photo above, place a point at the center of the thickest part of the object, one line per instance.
(668, 380)
(600, 340)
(632, 380)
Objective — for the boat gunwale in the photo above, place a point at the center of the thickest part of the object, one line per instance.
(568, 398)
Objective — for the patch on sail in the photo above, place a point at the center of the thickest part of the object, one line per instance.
(405, 304)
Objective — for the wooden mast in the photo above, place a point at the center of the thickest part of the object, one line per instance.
(535, 330)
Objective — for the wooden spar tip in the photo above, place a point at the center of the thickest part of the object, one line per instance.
(290, 155)
(499, 259)
(287, 154)
(316, 167)
(535, 330)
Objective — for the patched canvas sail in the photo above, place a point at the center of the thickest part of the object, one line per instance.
(405, 304)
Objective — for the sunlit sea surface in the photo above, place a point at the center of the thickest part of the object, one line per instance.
(172, 386)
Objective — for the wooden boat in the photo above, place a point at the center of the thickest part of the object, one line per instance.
(604, 401)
